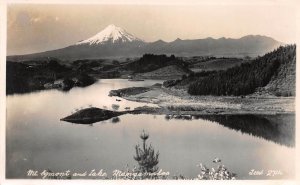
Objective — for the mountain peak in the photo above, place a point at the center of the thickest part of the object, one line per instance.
(177, 40)
(110, 34)
(111, 26)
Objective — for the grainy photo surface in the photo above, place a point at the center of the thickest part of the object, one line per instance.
(126, 91)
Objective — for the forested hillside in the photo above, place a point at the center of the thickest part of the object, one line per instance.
(151, 62)
(248, 77)
(283, 83)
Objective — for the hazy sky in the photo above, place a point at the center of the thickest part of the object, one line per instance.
(35, 28)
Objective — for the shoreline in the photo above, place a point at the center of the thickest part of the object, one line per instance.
(177, 101)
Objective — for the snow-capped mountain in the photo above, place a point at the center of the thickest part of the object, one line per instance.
(111, 34)
(114, 41)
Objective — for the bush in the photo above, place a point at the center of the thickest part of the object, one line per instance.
(146, 156)
(67, 84)
(220, 173)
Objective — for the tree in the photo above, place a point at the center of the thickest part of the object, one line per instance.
(146, 156)
(115, 62)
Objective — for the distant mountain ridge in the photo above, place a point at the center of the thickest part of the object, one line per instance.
(252, 45)
(114, 41)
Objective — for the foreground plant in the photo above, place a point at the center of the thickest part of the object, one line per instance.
(146, 157)
(220, 173)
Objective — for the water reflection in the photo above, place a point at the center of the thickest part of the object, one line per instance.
(36, 139)
(115, 120)
(279, 128)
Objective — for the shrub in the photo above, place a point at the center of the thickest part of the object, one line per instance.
(220, 173)
(145, 156)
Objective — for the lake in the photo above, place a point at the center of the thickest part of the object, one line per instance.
(36, 138)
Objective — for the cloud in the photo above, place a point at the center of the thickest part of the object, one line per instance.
(36, 19)
(43, 19)
(39, 19)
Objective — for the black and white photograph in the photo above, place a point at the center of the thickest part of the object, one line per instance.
(196, 90)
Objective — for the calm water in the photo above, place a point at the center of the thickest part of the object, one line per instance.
(37, 140)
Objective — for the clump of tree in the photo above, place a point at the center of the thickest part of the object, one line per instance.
(193, 77)
(83, 80)
(67, 84)
(243, 79)
(31, 75)
(151, 62)
(34, 75)
(146, 157)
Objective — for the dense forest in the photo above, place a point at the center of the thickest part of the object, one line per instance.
(26, 77)
(247, 77)
(22, 77)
